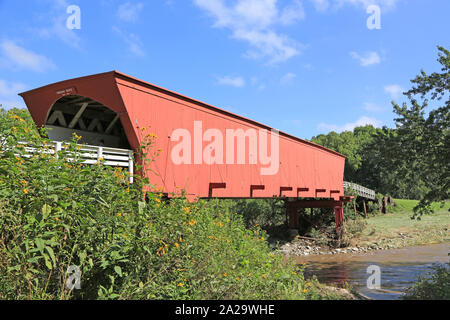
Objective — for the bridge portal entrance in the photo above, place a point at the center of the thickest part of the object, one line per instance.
(95, 123)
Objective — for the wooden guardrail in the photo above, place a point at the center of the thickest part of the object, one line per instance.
(362, 191)
(92, 154)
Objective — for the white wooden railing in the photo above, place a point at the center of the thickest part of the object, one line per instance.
(362, 191)
(91, 155)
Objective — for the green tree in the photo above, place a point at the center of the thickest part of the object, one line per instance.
(351, 144)
(423, 138)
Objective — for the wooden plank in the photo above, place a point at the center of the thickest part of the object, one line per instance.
(78, 115)
(57, 115)
(111, 125)
(95, 124)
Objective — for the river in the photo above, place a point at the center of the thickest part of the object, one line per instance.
(399, 268)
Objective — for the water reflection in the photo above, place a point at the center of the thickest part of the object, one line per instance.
(400, 268)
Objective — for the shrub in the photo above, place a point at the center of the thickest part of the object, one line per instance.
(56, 213)
(435, 288)
(262, 212)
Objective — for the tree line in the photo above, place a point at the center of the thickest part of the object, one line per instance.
(412, 160)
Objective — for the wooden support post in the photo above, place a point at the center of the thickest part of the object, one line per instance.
(339, 219)
(292, 212)
(131, 166)
(100, 154)
(58, 148)
(365, 208)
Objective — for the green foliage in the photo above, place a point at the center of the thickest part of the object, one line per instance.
(410, 161)
(262, 212)
(56, 213)
(350, 144)
(425, 139)
(437, 287)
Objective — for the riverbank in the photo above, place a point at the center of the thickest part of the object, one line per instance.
(392, 230)
(398, 230)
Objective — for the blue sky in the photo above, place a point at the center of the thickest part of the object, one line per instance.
(302, 66)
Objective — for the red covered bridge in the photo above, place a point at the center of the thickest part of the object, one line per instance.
(206, 151)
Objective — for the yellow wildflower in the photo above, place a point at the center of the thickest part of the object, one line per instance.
(192, 222)
(25, 191)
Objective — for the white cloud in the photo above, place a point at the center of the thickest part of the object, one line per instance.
(292, 13)
(57, 15)
(276, 47)
(394, 90)
(18, 57)
(129, 12)
(368, 59)
(13, 88)
(257, 83)
(254, 21)
(8, 94)
(324, 5)
(288, 78)
(372, 107)
(349, 126)
(135, 45)
(321, 5)
(237, 82)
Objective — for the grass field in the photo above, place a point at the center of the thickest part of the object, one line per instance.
(397, 229)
